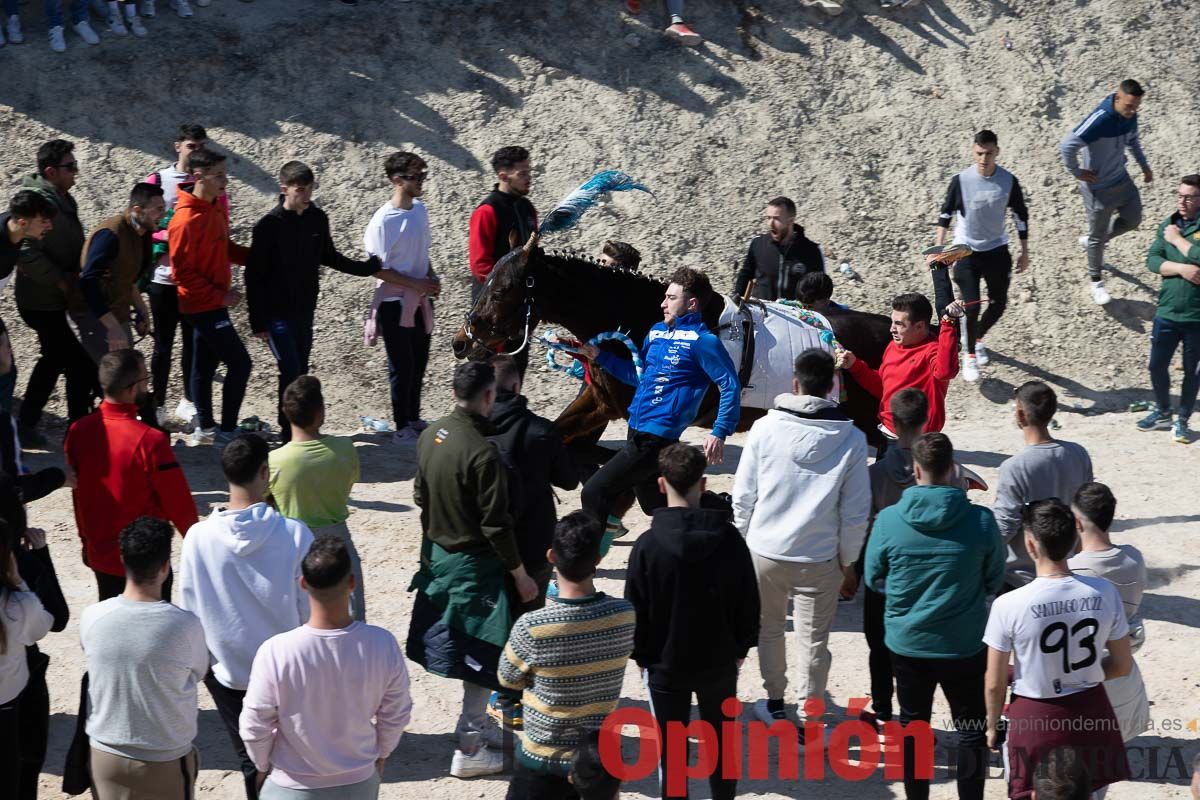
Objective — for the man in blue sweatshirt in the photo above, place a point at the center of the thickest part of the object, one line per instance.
(1095, 154)
(936, 557)
(681, 358)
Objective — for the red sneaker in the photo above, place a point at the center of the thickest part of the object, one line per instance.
(684, 35)
(634, 6)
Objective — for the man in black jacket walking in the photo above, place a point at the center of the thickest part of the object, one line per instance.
(283, 276)
(536, 452)
(691, 581)
(779, 258)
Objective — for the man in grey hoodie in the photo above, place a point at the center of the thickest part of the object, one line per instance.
(239, 573)
(1095, 154)
(801, 498)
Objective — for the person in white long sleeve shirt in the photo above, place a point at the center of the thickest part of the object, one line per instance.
(801, 497)
(23, 621)
(239, 574)
(307, 716)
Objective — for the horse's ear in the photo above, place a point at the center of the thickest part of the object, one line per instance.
(514, 241)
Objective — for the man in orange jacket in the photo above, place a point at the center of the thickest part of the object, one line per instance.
(123, 468)
(914, 359)
(200, 254)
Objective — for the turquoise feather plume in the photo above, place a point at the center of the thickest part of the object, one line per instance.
(569, 210)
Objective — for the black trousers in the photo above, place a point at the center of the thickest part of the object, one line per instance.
(407, 356)
(216, 342)
(164, 308)
(995, 268)
(880, 659)
(34, 712)
(291, 344)
(229, 707)
(529, 785)
(943, 290)
(961, 680)
(108, 586)
(10, 747)
(671, 701)
(635, 466)
(60, 354)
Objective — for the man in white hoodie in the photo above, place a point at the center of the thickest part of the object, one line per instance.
(239, 574)
(801, 498)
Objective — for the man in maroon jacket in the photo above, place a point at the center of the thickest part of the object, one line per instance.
(124, 469)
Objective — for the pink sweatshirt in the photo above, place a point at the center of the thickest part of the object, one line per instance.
(307, 713)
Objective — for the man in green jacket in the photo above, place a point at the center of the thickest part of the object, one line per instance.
(460, 620)
(1175, 255)
(936, 557)
(47, 269)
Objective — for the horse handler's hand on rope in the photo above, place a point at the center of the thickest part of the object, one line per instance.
(843, 358)
(714, 449)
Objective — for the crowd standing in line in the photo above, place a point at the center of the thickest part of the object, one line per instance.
(271, 611)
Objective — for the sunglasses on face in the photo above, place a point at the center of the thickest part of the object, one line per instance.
(71, 166)
(416, 178)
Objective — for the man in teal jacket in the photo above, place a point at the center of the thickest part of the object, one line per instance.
(936, 557)
(1175, 255)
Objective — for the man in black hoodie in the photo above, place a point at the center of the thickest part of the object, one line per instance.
(692, 584)
(779, 258)
(283, 278)
(536, 452)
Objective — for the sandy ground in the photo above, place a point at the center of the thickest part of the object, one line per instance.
(862, 120)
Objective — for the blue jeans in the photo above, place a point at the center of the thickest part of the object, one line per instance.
(54, 11)
(291, 344)
(1165, 338)
(215, 342)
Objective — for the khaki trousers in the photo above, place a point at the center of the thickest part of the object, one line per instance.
(117, 778)
(813, 588)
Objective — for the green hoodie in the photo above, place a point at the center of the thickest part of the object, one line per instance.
(46, 266)
(936, 556)
(1178, 299)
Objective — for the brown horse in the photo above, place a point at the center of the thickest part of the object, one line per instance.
(530, 286)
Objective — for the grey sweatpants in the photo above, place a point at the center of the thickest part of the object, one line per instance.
(1125, 201)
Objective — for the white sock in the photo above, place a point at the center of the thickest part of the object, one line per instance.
(676, 19)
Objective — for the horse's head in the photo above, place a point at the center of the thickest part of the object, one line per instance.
(504, 308)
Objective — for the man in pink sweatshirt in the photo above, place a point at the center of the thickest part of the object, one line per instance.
(306, 718)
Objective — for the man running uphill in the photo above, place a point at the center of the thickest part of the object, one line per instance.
(913, 359)
(681, 358)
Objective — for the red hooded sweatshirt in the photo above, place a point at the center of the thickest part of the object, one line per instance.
(125, 469)
(928, 366)
(201, 252)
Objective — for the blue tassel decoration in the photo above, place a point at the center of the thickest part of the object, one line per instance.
(567, 213)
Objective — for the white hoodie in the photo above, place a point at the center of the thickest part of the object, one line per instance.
(239, 574)
(802, 490)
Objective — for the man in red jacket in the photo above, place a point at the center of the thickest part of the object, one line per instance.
(124, 469)
(201, 251)
(914, 359)
(506, 210)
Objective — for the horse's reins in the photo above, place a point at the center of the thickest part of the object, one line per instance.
(472, 316)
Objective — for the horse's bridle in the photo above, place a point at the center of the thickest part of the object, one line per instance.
(472, 316)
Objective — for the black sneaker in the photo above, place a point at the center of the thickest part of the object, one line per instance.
(31, 438)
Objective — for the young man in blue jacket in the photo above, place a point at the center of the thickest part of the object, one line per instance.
(1095, 154)
(681, 357)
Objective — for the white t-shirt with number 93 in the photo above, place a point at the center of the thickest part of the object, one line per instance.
(1058, 629)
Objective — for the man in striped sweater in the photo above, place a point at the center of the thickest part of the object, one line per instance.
(569, 658)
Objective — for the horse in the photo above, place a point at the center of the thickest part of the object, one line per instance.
(530, 286)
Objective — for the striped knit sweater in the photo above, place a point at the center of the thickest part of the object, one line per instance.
(569, 658)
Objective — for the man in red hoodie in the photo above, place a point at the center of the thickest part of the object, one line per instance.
(200, 254)
(123, 468)
(914, 359)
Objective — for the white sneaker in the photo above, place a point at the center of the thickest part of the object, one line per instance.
(202, 437)
(981, 355)
(1083, 241)
(147, 8)
(15, 36)
(136, 27)
(57, 43)
(1100, 294)
(84, 29)
(482, 762)
(186, 410)
(182, 8)
(970, 369)
(830, 7)
(117, 26)
(162, 416)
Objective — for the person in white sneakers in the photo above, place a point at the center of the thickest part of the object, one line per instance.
(54, 21)
(239, 574)
(801, 497)
(122, 17)
(328, 701)
(978, 201)
(11, 31)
